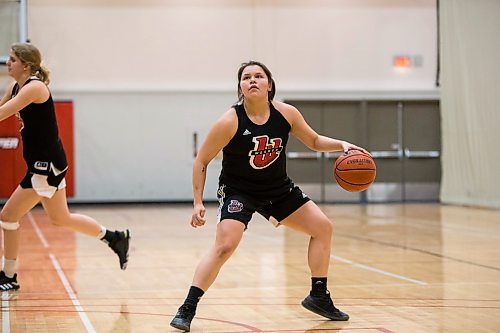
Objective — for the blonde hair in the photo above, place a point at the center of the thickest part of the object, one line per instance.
(31, 56)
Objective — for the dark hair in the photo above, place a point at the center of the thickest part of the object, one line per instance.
(266, 70)
(30, 55)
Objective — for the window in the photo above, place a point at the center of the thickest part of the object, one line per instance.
(13, 25)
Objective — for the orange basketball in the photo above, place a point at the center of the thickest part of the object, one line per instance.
(355, 171)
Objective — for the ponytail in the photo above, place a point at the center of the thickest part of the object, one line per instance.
(43, 74)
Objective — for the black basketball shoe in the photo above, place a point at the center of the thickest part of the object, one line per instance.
(7, 283)
(323, 306)
(183, 318)
(120, 245)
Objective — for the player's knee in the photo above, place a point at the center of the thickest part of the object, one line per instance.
(324, 228)
(328, 227)
(225, 249)
(8, 221)
(5, 216)
(9, 225)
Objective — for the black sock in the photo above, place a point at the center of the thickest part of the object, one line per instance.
(319, 286)
(194, 296)
(109, 236)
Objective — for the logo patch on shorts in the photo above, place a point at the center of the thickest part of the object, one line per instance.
(39, 165)
(235, 206)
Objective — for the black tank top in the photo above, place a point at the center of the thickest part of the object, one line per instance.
(41, 143)
(254, 161)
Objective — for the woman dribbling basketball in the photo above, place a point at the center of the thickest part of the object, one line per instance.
(253, 135)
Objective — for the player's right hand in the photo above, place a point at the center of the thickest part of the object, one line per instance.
(198, 217)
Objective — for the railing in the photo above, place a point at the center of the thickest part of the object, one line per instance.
(384, 154)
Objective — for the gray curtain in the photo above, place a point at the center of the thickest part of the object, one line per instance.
(470, 97)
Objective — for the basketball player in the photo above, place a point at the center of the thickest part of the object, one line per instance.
(30, 98)
(253, 135)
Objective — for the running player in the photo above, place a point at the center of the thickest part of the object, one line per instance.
(253, 135)
(30, 98)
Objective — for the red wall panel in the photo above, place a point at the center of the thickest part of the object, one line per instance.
(12, 165)
(64, 114)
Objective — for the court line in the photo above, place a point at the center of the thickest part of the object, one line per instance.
(5, 300)
(72, 296)
(376, 270)
(338, 329)
(404, 247)
(5, 312)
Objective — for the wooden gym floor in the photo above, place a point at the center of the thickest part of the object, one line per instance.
(394, 268)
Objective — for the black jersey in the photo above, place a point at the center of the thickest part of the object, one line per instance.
(42, 147)
(254, 161)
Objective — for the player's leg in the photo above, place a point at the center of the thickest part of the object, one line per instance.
(312, 221)
(228, 236)
(56, 208)
(227, 239)
(20, 202)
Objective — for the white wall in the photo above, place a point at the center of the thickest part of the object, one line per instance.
(139, 146)
(145, 74)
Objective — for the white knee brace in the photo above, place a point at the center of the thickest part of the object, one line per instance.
(9, 225)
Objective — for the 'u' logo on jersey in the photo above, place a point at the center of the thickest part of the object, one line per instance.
(265, 152)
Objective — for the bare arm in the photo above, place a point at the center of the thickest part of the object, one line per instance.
(7, 95)
(308, 136)
(218, 137)
(34, 92)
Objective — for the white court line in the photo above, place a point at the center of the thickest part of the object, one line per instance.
(72, 296)
(5, 312)
(376, 270)
(39, 232)
(79, 309)
(5, 300)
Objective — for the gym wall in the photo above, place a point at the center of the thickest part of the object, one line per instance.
(144, 76)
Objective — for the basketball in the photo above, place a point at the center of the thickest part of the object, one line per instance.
(355, 171)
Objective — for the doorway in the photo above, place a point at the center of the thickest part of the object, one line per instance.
(403, 136)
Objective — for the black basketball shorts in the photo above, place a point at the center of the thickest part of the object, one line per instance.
(237, 206)
(46, 184)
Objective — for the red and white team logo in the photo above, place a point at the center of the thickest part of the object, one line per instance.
(265, 152)
(234, 206)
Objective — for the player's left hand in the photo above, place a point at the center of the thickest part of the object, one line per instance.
(346, 146)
